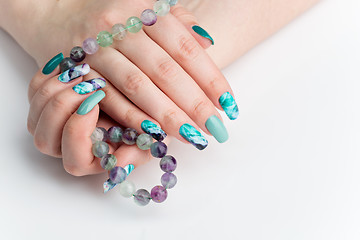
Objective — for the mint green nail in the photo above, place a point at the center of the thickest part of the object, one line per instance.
(52, 64)
(199, 30)
(90, 102)
(217, 128)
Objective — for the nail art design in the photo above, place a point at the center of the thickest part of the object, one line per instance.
(154, 130)
(229, 105)
(217, 128)
(74, 73)
(193, 136)
(108, 185)
(89, 86)
(90, 102)
(52, 64)
(199, 30)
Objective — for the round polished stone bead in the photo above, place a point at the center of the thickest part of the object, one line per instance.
(148, 17)
(134, 24)
(144, 141)
(104, 38)
(100, 149)
(117, 175)
(168, 164)
(127, 189)
(158, 194)
(172, 2)
(158, 149)
(162, 7)
(90, 46)
(66, 64)
(119, 31)
(142, 197)
(115, 134)
(108, 162)
(99, 134)
(168, 180)
(129, 136)
(77, 54)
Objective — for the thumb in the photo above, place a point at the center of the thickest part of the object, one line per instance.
(188, 19)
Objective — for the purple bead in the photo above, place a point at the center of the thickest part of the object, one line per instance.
(158, 149)
(129, 136)
(168, 180)
(117, 175)
(115, 134)
(90, 46)
(158, 194)
(77, 54)
(142, 197)
(148, 17)
(168, 164)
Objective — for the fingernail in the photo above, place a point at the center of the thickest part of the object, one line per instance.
(199, 30)
(229, 105)
(154, 130)
(74, 73)
(89, 86)
(217, 128)
(193, 136)
(108, 185)
(52, 64)
(90, 102)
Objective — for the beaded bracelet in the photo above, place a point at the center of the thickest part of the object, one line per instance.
(117, 175)
(119, 31)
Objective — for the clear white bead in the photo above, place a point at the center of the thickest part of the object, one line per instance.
(127, 189)
(162, 7)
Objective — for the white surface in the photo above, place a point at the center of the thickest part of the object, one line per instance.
(290, 170)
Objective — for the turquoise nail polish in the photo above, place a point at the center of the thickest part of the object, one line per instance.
(199, 30)
(154, 130)
(193, 136)
(90, 102)
(52, 64)
(89, 86)
(217, 128)
(108, 185)
(229, 105)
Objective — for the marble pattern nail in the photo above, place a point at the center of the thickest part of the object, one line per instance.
(154, 130)
(74, 73)
(89, 86)
(229, 105)
(108, 185)
(193, 136)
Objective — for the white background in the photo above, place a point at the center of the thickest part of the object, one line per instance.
(291, 169)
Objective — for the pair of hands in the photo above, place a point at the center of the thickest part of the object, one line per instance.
(161, 74)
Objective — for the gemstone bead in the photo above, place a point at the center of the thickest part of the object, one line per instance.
(90, 46)
(100, 149)
(104, 38)
(158, 194)
(148, 17)
(127, 189)
(108, 162)
(168, 164)
(162, 7)
(144, 141)
(142, 197)
(158, 149)
(172, 2)
(117, 175)
(119, 31)
(129, 136)
(99, 134)
(66, 64)
(168, 180)
(134, 24)
(77, 54)
(115, 134)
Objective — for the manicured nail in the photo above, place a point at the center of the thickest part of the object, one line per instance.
(229, 105)
(217, 128)
(193, 136)
(108, 185)
(89, 86)
(74, 73)
(52, 64)
(154, 130)
(199, 30)
(90, 102)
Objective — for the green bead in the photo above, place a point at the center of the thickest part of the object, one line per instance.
(104, 39)
(134, 24)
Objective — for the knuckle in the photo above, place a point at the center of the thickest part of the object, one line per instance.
(44, 92)
(58, 103)
(200, 106)
(132, 84)
(188, 48)
(170, 118)
(106, 19)
(167, 69)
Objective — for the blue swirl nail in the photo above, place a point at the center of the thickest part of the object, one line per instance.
(229, 105)
(154, 130)
(193, 136)
(74, 73)
(89, 86)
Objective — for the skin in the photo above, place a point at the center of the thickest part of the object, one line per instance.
(164, 102)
